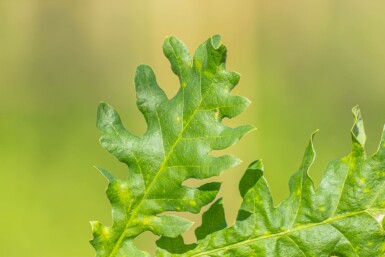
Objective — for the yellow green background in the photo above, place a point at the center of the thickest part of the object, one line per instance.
(304, 64)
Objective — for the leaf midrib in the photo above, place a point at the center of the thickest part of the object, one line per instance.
(163, 166)
(283, 233)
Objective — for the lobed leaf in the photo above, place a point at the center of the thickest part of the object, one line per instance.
(343, 216)
(180, 134)
(339, 218)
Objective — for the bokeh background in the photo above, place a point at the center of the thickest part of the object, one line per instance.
(304, 64)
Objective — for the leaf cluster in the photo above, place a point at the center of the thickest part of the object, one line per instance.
(340, 217)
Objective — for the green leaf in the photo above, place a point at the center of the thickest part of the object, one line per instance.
(212, 220)
(341, 217)
(180, 135)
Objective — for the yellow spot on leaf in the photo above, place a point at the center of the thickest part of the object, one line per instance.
(217, 113)
(192, 203)
(207, 74)
(121, 189)
(198, 64)
(346, 159)
(146, 221)
(362, 180)
(123, 186)
(322, 208)
(105, 232)
(367, 190)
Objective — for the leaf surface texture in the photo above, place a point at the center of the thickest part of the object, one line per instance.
(341, 217)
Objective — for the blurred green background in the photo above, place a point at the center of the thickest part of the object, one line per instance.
(304, 64)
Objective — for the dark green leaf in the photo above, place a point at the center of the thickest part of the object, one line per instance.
(212, 220)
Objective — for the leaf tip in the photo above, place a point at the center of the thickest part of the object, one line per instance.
(232, 161)
(141, 68)
(256, 165)
(312, 136)
(251, 129)
(102, 106)
(94, 224)
(358, 131)
(212, 186)
(105, 173)
(97, 229)
(236, 162)
(314, 133)
(168, 38)
(106, 115)
(216, 41)
(253, 173)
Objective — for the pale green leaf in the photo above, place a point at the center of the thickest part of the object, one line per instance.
(180, 135)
